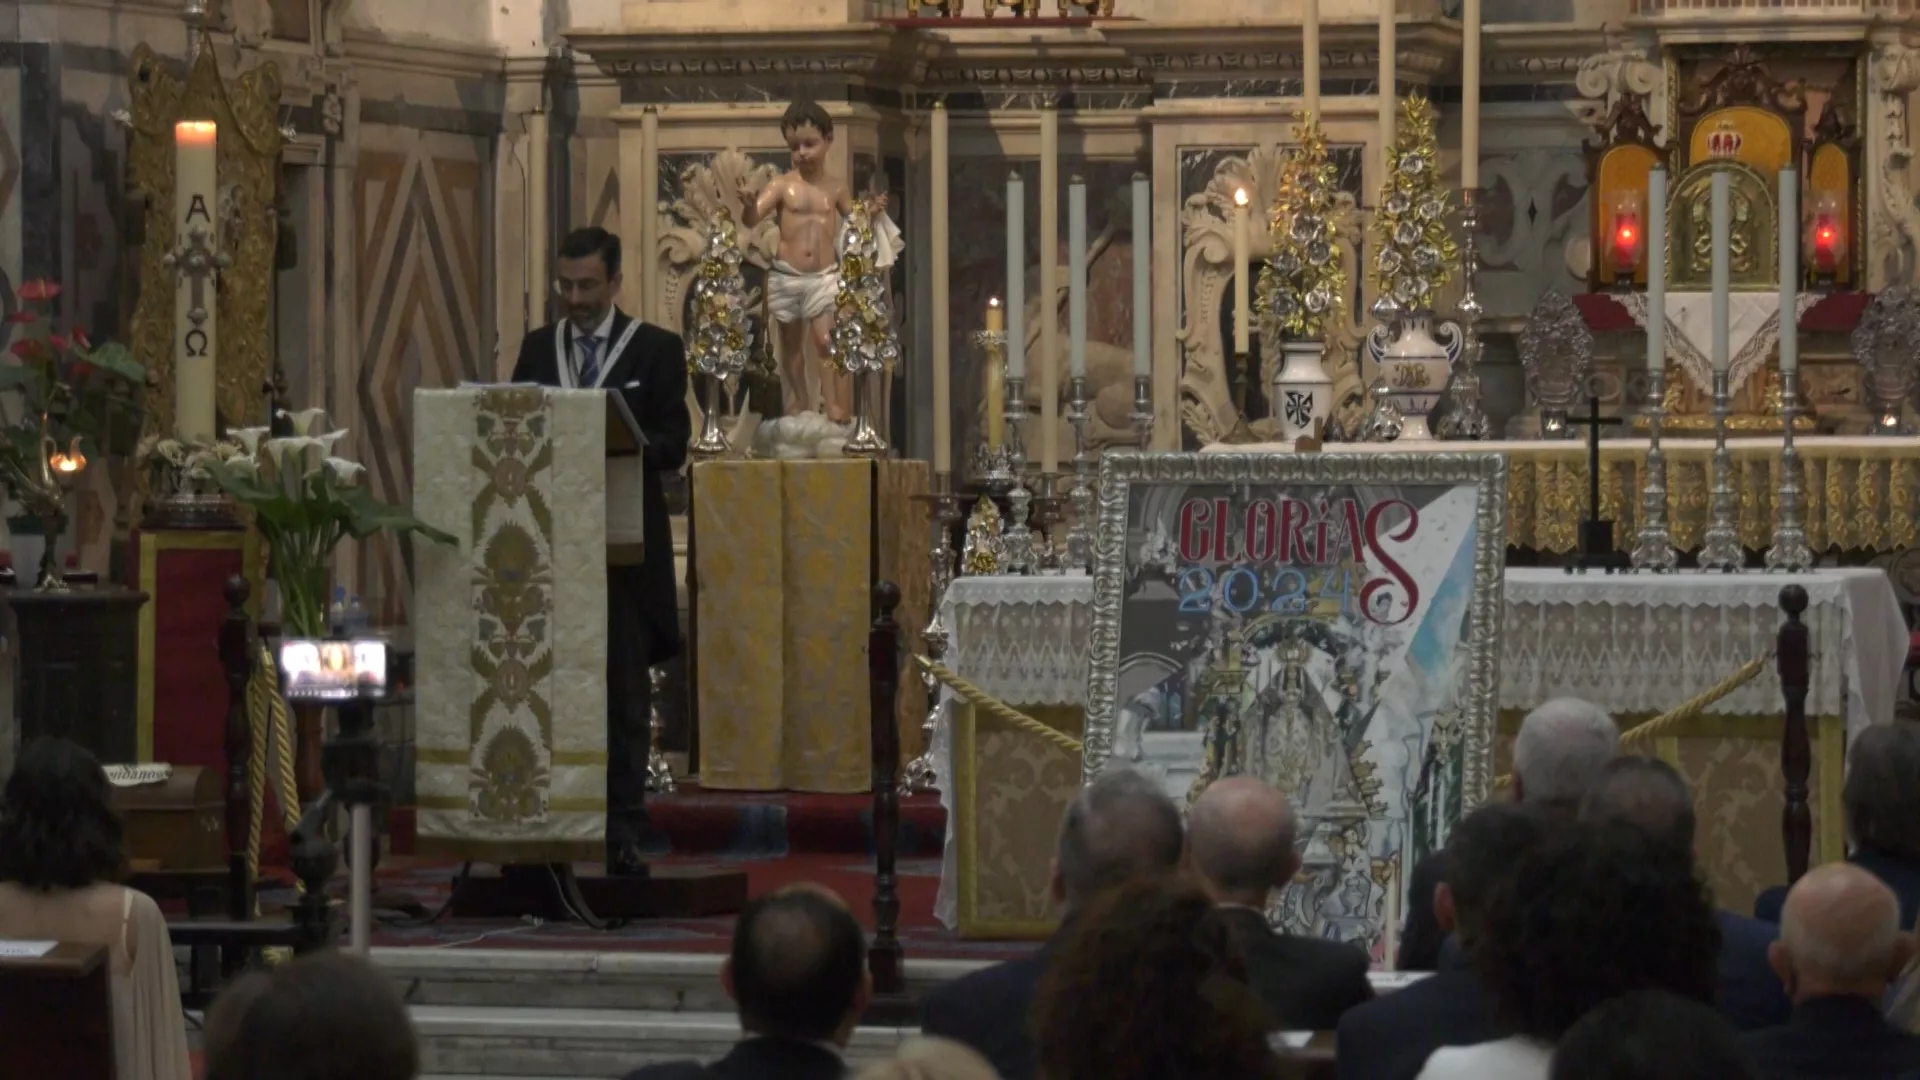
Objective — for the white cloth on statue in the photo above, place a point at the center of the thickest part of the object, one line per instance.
(796, 297)
(1503, 1059)
(1753, 327)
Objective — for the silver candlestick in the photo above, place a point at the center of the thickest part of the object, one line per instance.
(1653, 544)
(1016, 539)
(659, 773)
(1465, 419)
(1048, 513)
(991, 463)
(1143, 410)
(1080, 536)
(1789, 551)
(1720, 549)
(944, 510)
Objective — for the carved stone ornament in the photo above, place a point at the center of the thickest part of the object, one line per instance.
(1894, 219)
(1556, 351)
(1206, 268)
(1745, 80)
(1611, 76)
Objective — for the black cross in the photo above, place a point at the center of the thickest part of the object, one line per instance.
(1596, 535)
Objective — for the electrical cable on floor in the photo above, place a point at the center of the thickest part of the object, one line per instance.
(414, 922)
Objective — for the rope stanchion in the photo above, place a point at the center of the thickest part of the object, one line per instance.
(1689, 709)
(980, 699)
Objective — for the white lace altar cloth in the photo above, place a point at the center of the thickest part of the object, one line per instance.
(1753, 327)
(1629, 643)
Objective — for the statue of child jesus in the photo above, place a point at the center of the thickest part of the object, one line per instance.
(809, 203)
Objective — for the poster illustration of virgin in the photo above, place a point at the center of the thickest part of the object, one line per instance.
(1330, 631)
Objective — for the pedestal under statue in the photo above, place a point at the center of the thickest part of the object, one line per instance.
(803, 284)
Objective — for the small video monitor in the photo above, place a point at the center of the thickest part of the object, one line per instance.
(333, 670)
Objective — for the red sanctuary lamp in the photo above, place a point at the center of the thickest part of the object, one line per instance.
(1626, 239)
(1826, 238)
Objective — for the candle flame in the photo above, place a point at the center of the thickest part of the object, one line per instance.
(993, 301)
(1239, 196)
(196, 131)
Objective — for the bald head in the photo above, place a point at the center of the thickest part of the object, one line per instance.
(1839, 935)
(1240, 834)
(797, 968)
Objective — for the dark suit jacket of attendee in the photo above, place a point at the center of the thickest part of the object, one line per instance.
(1896, 873)
(1836, 1037)
(989, 1010)
(651, 374)
(1751, 996)
(1421, 936)
(1306, 983)
(1390, 1037)
(755, 1059)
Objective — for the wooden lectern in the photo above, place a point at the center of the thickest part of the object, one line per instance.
(542, 489)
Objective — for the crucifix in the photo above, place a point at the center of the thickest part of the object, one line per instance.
(197, 262)
(1596, 535)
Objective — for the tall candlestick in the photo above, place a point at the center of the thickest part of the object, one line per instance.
(1470, 98)
(1049, 387)
(1077, 278)
(942, 310)
(1240, 301)
(1789, 270)
(1142, 276)
(996, 403)
(1722, 272)
(649, 260)
(1016, 277)
(1657, 270)
(1389, 102)
(196, 292)
(1310, 59)
(538, 269)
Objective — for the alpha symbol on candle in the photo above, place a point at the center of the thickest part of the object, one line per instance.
(197, 210)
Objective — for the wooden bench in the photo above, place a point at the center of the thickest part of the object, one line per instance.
(56, 1015)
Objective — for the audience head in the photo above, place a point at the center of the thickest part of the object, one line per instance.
(926, 1058)
(1882, 792)
(1561, 747)
(1590, 913)
(1651, 1035)
(1839, 935)
(1646, 793)
(58, 828)
(1120, 827)
(328, 1016)
(1481, 855)
(1240, 840)
(586, 274)
(1149, 984)
(798, 968)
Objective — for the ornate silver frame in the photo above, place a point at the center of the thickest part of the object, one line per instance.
(1121, 470)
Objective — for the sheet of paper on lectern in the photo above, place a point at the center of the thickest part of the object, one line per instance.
(511, 626)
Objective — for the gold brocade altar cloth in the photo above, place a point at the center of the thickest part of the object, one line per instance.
(1859, 493)
(785, 558)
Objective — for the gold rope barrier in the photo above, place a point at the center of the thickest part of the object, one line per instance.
(267, 714)
(1685, 711)
(980, 699)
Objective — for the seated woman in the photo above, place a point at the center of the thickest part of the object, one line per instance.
(1595, 912)
(1149, 985)
(60, 859)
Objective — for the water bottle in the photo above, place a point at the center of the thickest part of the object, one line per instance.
(337, 613)
(357, 619)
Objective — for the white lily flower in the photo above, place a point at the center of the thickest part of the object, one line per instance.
(304, 421)
(344, 472)
(328, 440)
(249, 437)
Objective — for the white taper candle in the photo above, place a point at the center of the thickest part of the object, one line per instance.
(1016, 277)
(1789, 270)
(942, 303)
(1077, 278)
(1657, 270)
(1722, 270)
(1142, 276)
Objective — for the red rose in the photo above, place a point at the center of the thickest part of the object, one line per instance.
(58, 341)
(39, 289)
(79, 338)
(22, 317)
(22, 349)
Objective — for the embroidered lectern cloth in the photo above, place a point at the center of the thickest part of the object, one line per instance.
(511, 624)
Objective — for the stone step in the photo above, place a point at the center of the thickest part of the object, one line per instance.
(588, 1044)
(560, 980)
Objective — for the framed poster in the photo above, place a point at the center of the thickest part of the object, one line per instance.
(1328, 622)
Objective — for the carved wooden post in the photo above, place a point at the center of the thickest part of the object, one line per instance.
(236, 658)
(883, 674)
(1796, 752)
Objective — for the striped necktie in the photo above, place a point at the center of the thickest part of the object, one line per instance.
(589, 360)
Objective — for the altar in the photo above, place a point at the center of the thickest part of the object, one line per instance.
(1636, 645)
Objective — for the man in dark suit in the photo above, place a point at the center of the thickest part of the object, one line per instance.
(1240, 845)
(1651, 795)
(1391, 1037)
(597, 346)
(1560, 748)
(1121, 827)
(797, 972)
(1840, 945)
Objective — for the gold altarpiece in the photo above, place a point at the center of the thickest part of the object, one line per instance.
(246, 108)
